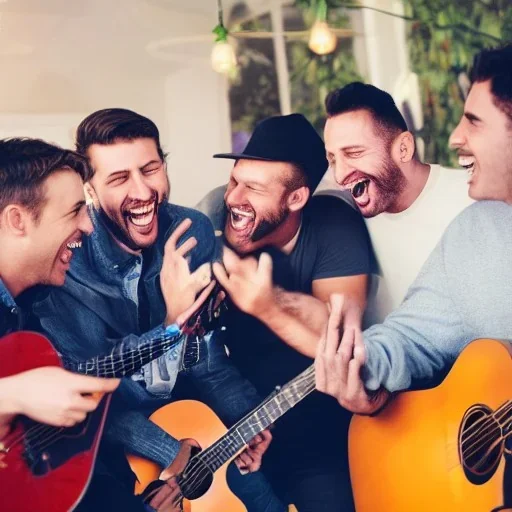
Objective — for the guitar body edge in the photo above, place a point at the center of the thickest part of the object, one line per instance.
(62, 488)
(190, 419)
(406, 458)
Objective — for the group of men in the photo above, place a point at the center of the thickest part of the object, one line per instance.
(132, 267)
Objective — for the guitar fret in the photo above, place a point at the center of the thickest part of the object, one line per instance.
(121, 362)
(259, 419)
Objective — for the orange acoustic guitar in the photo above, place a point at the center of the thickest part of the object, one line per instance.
(439, 450)
(48, 468)
(202, 474)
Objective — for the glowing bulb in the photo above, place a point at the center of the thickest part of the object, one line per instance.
(223, 57)
(322, 39)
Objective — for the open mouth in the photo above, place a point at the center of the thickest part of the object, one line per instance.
(468, 162)
(359, 189)
(142, 216)
(240, 219)
(67, 251)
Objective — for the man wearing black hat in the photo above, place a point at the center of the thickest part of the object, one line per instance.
(319, 246)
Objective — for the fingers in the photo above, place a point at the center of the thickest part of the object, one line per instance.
(221, 275)
(167, 496)
(234, 264)
(265, 267)
(172, 241)
(359, 348)
(230, 259)
(332, 339)
(87, 384)
(183, 317)
(218, 300)
(202, 276)
(186, 246)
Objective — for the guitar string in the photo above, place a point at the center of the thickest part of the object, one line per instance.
(491, 420)
(195, 479)
(486, 437)
(55, 435)
(100, 369)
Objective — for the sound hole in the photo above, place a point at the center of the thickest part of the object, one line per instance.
(480, 444)
(196, 479)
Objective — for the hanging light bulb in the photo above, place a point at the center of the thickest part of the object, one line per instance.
(322, 39)
(223, 57)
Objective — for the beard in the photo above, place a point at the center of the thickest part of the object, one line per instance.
(116, 221)
(269, 223)
(389, 184)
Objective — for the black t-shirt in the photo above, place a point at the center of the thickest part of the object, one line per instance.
(333, 242)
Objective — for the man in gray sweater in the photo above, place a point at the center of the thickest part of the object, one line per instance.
(464, 290)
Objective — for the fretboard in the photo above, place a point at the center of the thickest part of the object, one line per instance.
(259, 419)
(123, 361)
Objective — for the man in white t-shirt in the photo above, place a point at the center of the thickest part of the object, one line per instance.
(407, 204)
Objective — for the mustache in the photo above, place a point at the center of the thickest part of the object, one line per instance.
(130, 204)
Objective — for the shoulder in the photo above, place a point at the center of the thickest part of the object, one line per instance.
(172, 215)
(480, 223)
(213, 201)
(330, 213)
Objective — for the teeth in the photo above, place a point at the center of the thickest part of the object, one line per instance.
(350, 186)
(143, 210)
(74, 245)
(241, 220)
(242, 213)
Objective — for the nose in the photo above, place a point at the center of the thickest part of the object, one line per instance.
(457, 137)
(139, 189)
(341, 170)
(235, 195)
(84, 222)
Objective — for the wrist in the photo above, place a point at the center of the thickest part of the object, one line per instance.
(10, 397)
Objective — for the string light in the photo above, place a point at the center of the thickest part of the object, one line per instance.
(223, 56)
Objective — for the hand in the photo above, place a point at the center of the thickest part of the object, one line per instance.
(250, 459)
(55, 396)
(338, 363)
(248, 282)
(180, 286)
(168, 498)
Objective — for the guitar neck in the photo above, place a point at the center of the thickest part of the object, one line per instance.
(281, 401)
(122, 361)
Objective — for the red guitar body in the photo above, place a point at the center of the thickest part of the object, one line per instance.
(42, 468)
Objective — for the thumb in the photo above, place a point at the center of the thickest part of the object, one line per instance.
(265, 266)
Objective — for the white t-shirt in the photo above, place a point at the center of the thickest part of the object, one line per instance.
(403, 241)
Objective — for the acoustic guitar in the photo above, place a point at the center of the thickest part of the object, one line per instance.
(440, 449)
(201, 475)
(47, 468)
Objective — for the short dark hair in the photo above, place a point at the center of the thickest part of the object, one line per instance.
(359, 96)
(26, 163)
(297, 178)
(495, 64)
(112, 125)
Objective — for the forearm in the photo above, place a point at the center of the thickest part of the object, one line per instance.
(298, 319)
(140, 436)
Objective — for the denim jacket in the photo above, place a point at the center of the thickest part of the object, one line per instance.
(93, 312)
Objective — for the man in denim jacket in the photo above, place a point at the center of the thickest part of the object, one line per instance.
(113, 293)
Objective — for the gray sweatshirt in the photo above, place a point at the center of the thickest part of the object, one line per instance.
(463, 292)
